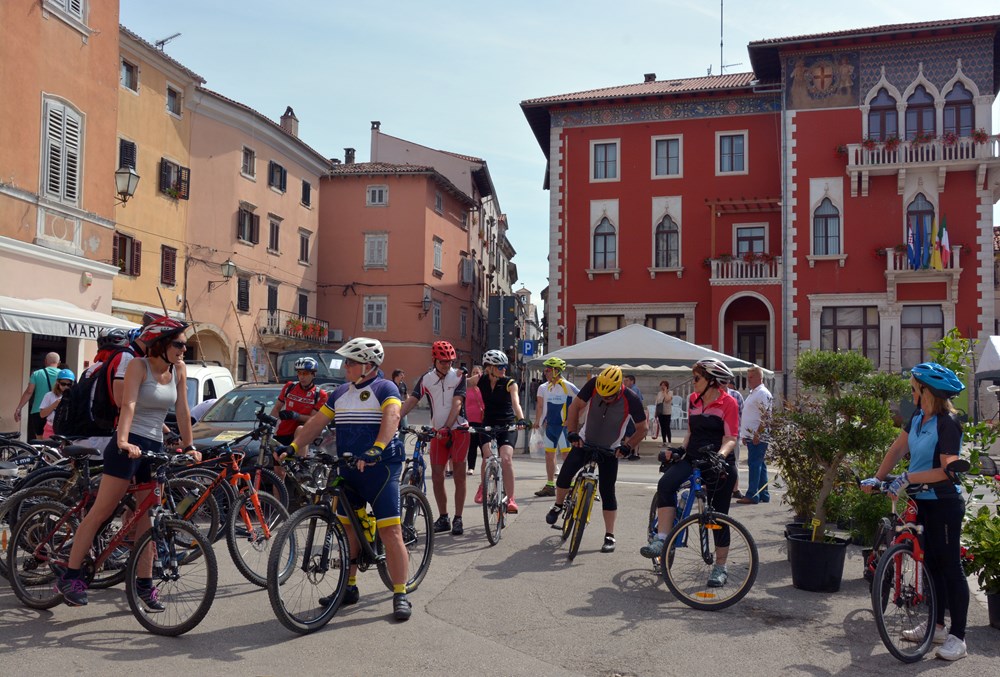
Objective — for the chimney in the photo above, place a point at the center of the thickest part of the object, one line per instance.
(376, 124)
(348, 156)
(289, 122)
(649, 77)
(334, 161)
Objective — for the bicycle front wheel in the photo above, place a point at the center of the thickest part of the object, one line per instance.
(417, 526)
(582, 518)
(695, 546)
(307, 569)
(569, 507)
(37, 554)
(250, 533)
(904, 604)
(17, 504)
(493, 508)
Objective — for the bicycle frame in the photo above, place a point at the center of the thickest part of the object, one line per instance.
(415, 464)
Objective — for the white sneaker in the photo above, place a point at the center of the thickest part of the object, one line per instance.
(952, 649)
(917, 634)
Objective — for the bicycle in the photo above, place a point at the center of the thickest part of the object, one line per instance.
(494, 495)
(311, 555)
(688, 556)
(579, 501)
(184, 567)
(414, 467)
(902, 593)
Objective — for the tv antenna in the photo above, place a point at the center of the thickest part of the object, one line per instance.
(722, 62)
(160, 43)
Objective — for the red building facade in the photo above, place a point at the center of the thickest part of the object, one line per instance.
(763, 213)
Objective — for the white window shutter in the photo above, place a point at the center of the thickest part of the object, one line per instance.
(76, 8)
(72, 144)
(53, 156)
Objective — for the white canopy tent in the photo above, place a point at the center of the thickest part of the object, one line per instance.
(641, 349)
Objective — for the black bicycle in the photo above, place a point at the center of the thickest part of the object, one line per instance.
(310, 557)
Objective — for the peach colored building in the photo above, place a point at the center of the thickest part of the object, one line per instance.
(154, 136)
(252, 237)
(396, 263)
(58, 114)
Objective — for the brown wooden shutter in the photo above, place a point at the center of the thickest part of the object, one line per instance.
(164, 175)
(168, 266)
(136, 257)
(116, 257)
(255, 229)
(184, 183)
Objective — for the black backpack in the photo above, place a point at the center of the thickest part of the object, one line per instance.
(88, 409)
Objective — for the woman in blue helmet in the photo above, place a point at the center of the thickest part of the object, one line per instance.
(933, 439)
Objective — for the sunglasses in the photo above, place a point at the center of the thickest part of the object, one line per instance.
(180, 345)
(697, 378)
(64, 384)
(303, 371)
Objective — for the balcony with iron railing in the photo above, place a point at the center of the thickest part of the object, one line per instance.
(739, 270)
(285, 326)
(946, 154)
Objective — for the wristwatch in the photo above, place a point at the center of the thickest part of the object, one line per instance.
(190, 447)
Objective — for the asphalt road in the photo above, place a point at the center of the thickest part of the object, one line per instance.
(519, 608)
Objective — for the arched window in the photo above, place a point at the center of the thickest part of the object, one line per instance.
(826, 229)
(920, 114)
(668, 237)
(883, 120)
(919, 217)
(958, 111)
(604, 246)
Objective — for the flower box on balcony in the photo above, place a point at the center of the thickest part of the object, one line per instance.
(869, 143)
(892, 143)
(949, 139)
(980, 136)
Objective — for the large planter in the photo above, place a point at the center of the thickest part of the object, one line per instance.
(817, 566)
(993, 605)
(796, 529)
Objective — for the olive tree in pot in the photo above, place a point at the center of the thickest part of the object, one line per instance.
(841, 417)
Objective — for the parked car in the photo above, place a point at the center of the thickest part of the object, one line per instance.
(234, 414)
(331, 365)
(207, 381)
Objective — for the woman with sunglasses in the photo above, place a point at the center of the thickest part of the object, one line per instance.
(713, 419)
(64, 381)
(153, 384)
(933, 439)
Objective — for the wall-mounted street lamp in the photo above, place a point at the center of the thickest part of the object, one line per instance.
(425, 303)
(126, 180)
(228, 270)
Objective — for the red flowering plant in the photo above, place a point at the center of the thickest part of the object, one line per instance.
(923, 137)
(840, 150)
(949, 138)
(892, 142)
(870, 143)
(980, 136)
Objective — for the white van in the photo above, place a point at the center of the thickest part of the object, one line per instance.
(207, 380)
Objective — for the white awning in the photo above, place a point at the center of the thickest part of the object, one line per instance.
(55, 317)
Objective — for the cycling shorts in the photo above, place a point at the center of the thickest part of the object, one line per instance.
(377, 486)
(455, 448)
(555, 440)
(503, 437)
(118, 464)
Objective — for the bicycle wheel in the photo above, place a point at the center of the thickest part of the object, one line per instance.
(11, 510)
(418, 537)
(582, 517)
(572, 498)
(10, 449)
(883, 539)
(691, 550)
(306, 595)
(248, 540)
(266, 480)
(185, 584)
(37, 553)
(186, 492)
(493, 508)
(223, 494)
(903, 599)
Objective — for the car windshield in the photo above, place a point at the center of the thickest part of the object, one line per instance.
(330, 364)
(192, 387)
(241, 404)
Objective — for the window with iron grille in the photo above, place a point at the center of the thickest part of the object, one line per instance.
(168, 266)
(243, 294)
(247, 226)
(175, 181)
(127, 254)
(277, 177)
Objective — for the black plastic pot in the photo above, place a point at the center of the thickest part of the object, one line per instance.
(817, 566)
(797, 529)
(993, 606)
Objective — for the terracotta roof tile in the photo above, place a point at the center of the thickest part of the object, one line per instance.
(190, 73)
(383, 168)
(655, 88)
(890, 28)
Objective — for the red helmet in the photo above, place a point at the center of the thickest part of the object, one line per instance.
(442, 350)
(161, 328)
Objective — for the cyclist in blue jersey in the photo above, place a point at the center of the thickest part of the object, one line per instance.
(365, 411)
(553, 402)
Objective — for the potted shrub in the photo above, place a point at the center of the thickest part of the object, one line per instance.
(981, 538)
(980, 136)
(870, 143)
(840, 150)
(949, 138)
(840, 420)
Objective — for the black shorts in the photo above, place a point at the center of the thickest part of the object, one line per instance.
(118, 464)
(503, 437)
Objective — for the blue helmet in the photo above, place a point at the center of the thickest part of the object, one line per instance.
(942, 381)
(66, 375)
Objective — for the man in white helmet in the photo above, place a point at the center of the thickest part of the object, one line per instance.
(365, 411)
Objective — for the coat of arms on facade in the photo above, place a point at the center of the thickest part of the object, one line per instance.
(822, 81)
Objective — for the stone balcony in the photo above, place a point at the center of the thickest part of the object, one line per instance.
(736, 271)
(282, 327)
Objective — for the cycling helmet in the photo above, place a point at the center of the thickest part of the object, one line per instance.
(715, 369)
(609, 381)
(161, 329)
(942, 381)
(66, 375)
(363, 349)
(306, 364)
(555, 363)
(496, 358)
(442, 350)
(113, 338)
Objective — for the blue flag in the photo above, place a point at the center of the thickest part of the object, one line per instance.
(926, 246)
(911, 248)
(918, 252)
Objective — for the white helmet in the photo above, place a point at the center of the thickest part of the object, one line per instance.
(363, 349)
(715, 369)
(497, 358)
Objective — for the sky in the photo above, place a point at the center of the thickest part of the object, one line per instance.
(451, 75)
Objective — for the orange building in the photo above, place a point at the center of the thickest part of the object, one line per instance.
(396, 264)
(765, 213)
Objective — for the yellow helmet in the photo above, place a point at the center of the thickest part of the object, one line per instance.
(609, 381)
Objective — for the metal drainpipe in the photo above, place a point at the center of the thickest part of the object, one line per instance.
(787, 249)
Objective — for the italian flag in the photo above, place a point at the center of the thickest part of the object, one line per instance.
(945, 243)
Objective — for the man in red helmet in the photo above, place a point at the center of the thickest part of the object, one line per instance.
(444, 388)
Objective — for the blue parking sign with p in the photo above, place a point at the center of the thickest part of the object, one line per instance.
(528, 348)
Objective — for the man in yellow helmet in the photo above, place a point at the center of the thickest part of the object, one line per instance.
(553, 403)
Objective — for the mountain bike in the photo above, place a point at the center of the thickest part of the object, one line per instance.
(580, 500)
(184, 567)
(308, 566)
(494, 494)
(691, 549)
(902, 593)
(414, 467)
